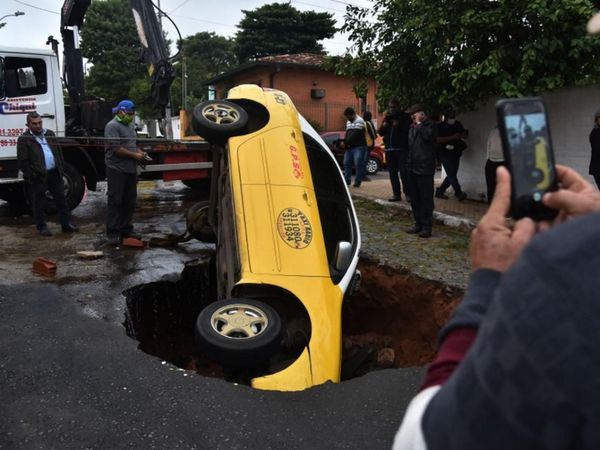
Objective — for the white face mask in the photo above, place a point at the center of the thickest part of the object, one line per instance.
(451, 121)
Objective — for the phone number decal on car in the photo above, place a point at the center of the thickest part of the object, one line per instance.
(294, 228)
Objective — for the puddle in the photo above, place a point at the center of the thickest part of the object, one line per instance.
(393, 321)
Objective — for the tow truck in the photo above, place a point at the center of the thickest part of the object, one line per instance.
(30, 80)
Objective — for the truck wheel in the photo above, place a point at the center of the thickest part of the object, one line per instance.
(373, 166)
(74, 186)
(218, 120)
(238, 332)
(74, 189)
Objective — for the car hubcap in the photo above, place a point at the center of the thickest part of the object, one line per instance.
(372, 166)
(220, 113)
(239, 321)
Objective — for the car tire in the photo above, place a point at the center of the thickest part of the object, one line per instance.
(252, 342)
(373, 166)
(197, 222)
(218, 120)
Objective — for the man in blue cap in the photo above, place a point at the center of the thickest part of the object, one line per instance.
(121, 158)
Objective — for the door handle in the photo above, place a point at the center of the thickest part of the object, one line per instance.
(47, 116)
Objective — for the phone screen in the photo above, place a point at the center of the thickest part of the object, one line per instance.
(528, 151)
(529, 145)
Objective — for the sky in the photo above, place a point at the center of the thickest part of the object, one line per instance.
(42, 18)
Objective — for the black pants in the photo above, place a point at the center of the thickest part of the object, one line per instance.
(396, 162)
(54, 184)
(421, 199)
(122, 197)
(451, 162)
(490, 177)
(597, 179)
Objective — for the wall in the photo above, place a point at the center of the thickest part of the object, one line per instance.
(571, 115)
(298, 83)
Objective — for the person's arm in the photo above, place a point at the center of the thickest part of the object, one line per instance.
(576, 197)
(494, 248)
(23, 156)
(123, 152)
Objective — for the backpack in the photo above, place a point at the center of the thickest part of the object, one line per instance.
(369, 134)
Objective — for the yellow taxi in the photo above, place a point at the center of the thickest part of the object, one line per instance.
(287, 243)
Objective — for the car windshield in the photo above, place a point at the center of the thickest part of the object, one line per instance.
(335, 209)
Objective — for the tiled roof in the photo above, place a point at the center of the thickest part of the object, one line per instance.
(309, 59)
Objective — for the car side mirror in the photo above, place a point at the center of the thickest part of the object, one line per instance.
(343, 255)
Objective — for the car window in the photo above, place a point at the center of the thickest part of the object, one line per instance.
(330, 138)
(335, 209)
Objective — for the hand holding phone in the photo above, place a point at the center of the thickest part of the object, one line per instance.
(527, 148)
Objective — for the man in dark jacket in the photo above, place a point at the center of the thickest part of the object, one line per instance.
(450, 146)
(394, 131)
(421, 167)
(42, 164)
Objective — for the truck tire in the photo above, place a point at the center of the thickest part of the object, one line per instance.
(74, 189)
(218, 120)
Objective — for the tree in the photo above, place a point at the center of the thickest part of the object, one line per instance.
(279, 28)
(206, 55)
(461, 53)
(110, 43)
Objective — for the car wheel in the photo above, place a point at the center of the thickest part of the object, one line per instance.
(218, 120)
(238, 332)
(373, 166)
(197, 223)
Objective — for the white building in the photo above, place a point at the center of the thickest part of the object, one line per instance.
(571, 114)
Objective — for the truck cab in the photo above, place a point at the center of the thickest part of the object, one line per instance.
(29, 81)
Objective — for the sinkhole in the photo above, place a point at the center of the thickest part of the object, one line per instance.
(391, 322)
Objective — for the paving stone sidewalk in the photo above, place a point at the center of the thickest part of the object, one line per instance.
(450, 211)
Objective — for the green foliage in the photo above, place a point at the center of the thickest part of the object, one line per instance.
(460, 53)
(206, 55)
(110, 43)
(279, 28)
(315, 124)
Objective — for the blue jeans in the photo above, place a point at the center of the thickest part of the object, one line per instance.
(355, 157)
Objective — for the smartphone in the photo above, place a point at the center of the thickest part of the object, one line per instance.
(527, 147)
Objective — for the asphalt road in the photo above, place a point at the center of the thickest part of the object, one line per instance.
(70, 377)
(68, 380)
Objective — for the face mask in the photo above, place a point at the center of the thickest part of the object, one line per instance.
(125, 119)
(451, 121)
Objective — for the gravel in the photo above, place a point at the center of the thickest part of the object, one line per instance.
(444, 257)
